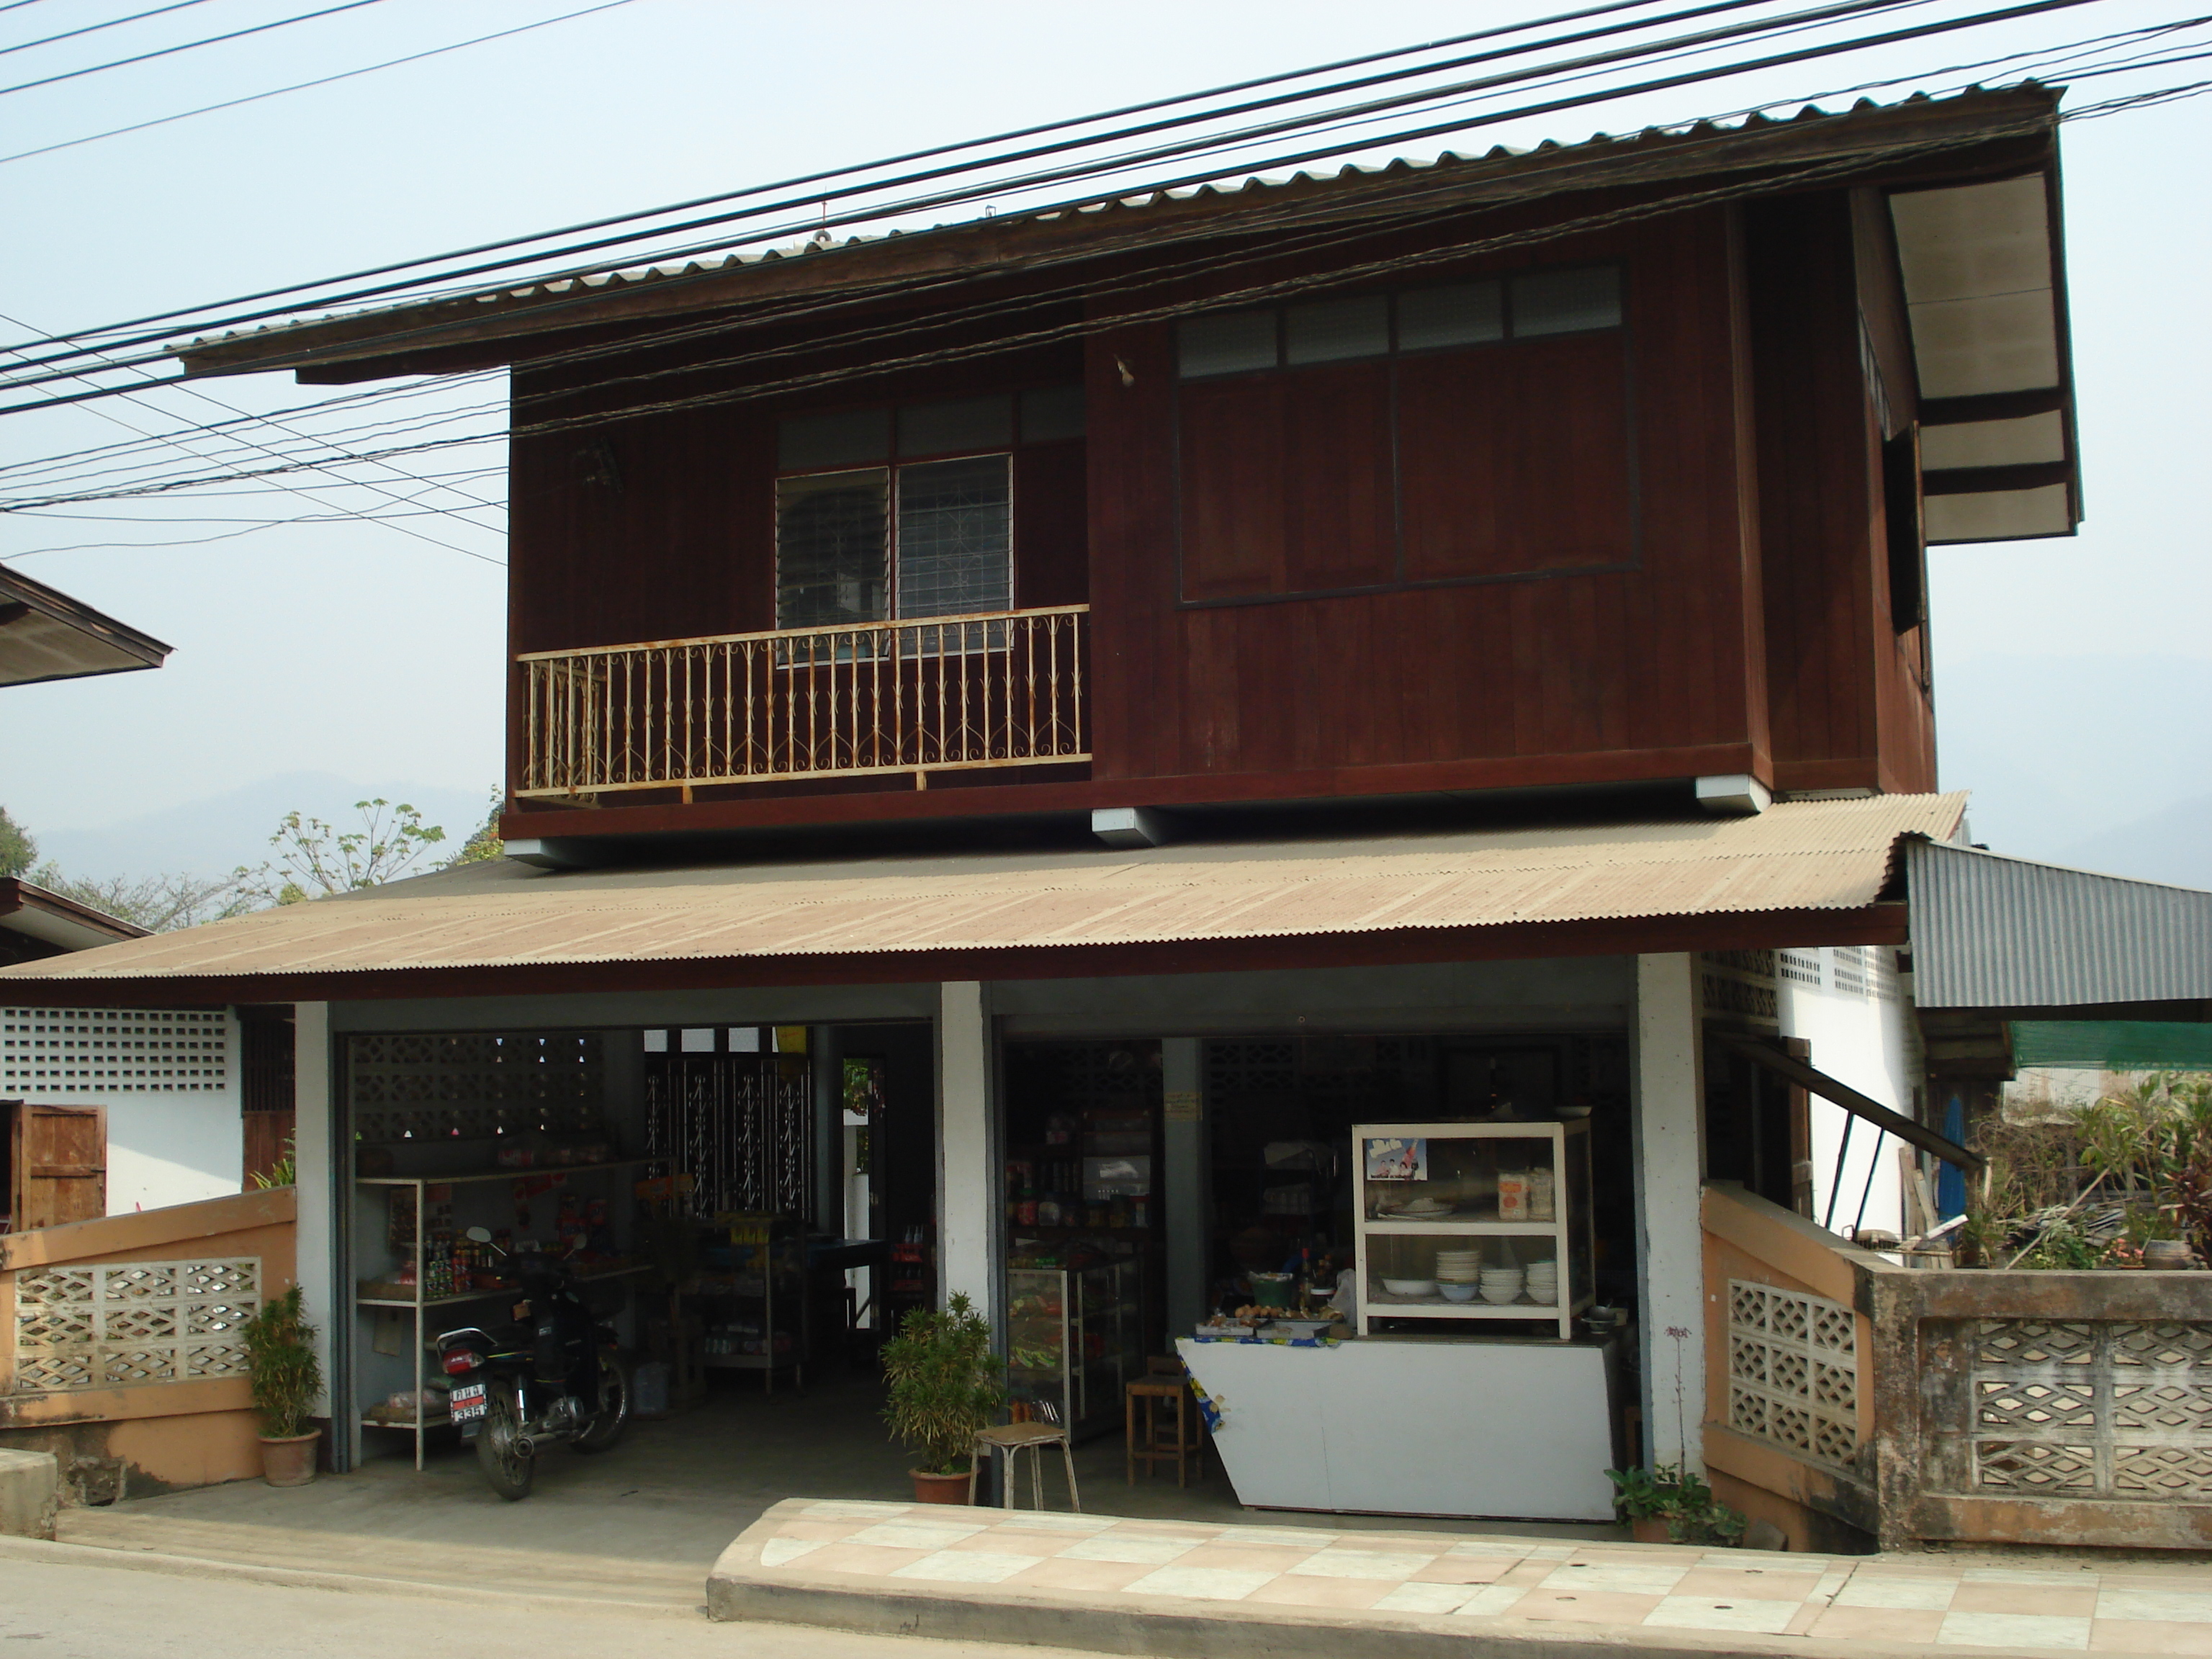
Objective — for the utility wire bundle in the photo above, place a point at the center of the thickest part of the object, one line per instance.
(1267, 124)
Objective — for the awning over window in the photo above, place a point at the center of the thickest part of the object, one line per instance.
(1805, 868)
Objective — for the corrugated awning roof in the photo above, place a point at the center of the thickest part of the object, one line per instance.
(1993, 932)
(1800, 857)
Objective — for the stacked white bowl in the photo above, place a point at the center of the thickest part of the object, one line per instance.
(1500, 1285)
(1458, 1272)
(1543, 1283)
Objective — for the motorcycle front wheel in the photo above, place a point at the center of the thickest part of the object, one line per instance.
(613, 1417)
(505, 1467)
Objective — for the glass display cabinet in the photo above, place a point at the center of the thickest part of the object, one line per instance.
(1073, 1337)
(1474, 1221)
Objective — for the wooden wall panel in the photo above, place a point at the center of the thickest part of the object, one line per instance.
(1846, 694)
(1515, 459)
(1051, 526)
(1661, 656)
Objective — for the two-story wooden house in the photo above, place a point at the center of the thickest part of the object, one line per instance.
(1023, 737)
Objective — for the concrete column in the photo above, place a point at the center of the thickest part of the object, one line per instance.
(967, 1148)
(1669, 1163)
(1186, 1184)
(317, 1140)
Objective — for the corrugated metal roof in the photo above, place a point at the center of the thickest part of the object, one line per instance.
(1993, 932)
(1808, 855)
(1504, 161)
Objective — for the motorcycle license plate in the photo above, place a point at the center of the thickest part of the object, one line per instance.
(469, 1402)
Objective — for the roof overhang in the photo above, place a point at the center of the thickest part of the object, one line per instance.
(1983, 274)
(38, 913)
(2015, 936)
(48, 635)
(1805, 873)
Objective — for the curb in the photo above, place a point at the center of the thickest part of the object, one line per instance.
(194, 1566)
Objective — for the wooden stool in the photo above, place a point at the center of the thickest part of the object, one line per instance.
(1151, 1445)
(1013, 1439)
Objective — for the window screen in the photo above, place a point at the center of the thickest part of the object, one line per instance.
(1333, 330)
(1052, 413)
(1566, 301)
(831, 549)
(955, 519)
(1466, 313)
(1231, 344)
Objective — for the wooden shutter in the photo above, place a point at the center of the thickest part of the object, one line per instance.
(59, 1155)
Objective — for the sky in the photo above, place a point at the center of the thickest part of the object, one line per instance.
(356, 655)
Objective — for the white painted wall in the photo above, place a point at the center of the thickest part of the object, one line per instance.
(166, 1145)
(1665, 1066)
(967, 1149)
(312, 1151)
(173, 1149)
(1863, 1039)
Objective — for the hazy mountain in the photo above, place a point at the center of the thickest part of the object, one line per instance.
(213, 835)
(2100, 761)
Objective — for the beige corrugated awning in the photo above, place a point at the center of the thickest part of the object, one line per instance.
(1802, 857)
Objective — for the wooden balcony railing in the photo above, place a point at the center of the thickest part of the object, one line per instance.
(937, 693)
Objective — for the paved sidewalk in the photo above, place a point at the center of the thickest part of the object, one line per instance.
(1173, 1588)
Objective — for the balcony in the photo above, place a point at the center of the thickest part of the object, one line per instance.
(939, 694)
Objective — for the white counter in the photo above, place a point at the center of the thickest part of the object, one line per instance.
(1413, 1426)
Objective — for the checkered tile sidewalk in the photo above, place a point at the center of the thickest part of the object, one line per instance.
(1385, 1578)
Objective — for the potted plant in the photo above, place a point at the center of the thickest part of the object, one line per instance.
(286, 1381)
(1668, 1504)
(944, 1387)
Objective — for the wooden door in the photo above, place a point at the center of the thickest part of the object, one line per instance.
(58, 1156)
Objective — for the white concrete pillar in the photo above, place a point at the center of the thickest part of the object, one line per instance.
(967, 1148)
(315, 1142)
(1669, 1165)
(1185, 1189)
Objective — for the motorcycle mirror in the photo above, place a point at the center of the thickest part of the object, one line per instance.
(478, 1235)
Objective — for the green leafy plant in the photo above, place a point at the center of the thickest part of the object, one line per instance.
(285, 1172)
(943, 1384)
(1678, 1496)
(283, 1373)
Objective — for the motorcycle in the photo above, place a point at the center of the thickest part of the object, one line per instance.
(552, 1375)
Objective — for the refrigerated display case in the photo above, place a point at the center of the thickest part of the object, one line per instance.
(1075, 1336)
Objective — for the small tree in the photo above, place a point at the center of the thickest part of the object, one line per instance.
(283, 1373)
(18, 852)
(317, 860)
(485, 843)
(157, 903)
(943, 1384)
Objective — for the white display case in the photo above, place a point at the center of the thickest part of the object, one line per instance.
(1474, 1221)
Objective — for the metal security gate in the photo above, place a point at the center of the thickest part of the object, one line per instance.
(739, 1124)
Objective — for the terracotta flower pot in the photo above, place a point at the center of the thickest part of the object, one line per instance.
(1649, 1529)
(939, 1488)
(290, 1459)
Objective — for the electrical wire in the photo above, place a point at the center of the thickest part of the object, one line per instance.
(191, 45)
(629, 345)
(392, 339)
(94, 28)
(790, 200)
(904, 159)
(303, 86)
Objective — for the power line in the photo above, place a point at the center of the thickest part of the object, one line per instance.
(94, 28)
(392, 339)
(191, 45)
(1836, 8)
(303, 86)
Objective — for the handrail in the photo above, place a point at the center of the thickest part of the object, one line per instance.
(795, 633)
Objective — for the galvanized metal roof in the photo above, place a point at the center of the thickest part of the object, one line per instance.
(1813, 856)
(1993, 932)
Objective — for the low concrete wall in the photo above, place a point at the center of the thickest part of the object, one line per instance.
(30, 1489)
(139, 1437)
